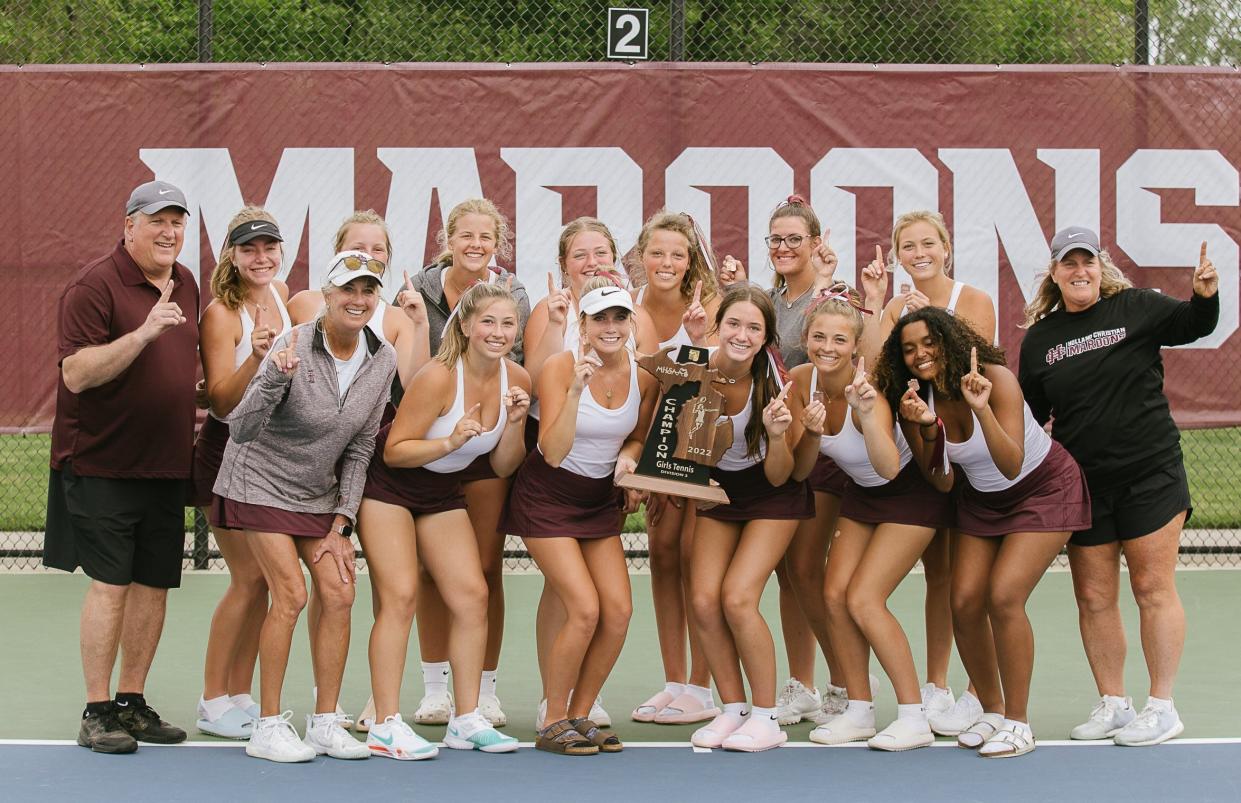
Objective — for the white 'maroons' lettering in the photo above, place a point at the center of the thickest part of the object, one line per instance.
(1091, 342)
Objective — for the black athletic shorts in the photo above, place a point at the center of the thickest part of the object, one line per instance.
(1137, 509)
(120, 531)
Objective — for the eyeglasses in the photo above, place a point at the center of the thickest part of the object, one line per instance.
(352, 263)
(793, 241)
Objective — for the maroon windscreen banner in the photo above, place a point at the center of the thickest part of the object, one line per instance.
(1147, 156)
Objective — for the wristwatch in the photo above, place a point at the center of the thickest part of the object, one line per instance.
(345, 529)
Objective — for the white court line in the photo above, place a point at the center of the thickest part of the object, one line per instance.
(680, 745)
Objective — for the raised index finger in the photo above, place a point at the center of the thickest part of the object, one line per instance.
(698, 285)
(409, 285)
(784, 392)
(1202, 255)
(860, 376)
(551, 288)
(167, 292)
(879, 254)
(973, 359)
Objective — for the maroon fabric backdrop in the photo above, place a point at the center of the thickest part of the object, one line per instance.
(74, 143)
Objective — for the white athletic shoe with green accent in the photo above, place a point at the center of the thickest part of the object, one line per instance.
(392, 738)
(473, 732)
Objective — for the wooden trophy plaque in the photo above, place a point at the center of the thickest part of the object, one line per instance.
(687, 436)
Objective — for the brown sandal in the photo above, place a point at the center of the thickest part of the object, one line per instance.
(560, 737)
(606, 741)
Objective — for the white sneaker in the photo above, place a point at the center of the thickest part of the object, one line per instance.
(796, 701)
(842, 729)
(835, 701)
(275, 739)
(392, 738)
(434, 709)
(1152, 726)
(598, 716)
(1106, 719)
(346, 720)
(326, 735)
(903, 734)
(472, 732)
(963, 713)
(936, 700)
(489, 707)
(1014, 739)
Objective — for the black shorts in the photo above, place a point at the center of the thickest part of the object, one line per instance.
(120, 531)
(1137, 509)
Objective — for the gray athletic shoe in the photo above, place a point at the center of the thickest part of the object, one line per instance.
(1152, 726)
(1106, 719)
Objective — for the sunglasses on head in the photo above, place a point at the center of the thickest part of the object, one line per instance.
(353, 263)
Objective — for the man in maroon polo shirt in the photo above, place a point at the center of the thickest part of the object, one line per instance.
(121, 445)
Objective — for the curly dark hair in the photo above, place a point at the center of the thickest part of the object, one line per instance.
(952, 336)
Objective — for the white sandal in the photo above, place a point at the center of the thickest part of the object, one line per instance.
(976, 735)
(1014, 739)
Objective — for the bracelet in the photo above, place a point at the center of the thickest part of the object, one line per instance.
(939, 423)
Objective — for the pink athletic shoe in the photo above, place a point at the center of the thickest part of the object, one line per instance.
(755, 736)
(651, 708)
(713, 734)
(684, 710)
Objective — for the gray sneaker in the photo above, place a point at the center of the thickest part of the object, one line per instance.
(1106, 720)
(1152, 726)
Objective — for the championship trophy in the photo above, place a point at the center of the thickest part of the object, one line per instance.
(687, 436)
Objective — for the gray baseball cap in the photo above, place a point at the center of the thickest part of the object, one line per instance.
(1072, 238)
(155, 196)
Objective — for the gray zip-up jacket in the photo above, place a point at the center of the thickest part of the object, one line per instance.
(290, 430)
(430, 282)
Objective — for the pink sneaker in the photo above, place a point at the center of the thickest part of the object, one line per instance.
(713, 734)
(684, 710)
(755, 736)
(648, 711)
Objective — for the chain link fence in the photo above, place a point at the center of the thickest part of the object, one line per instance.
(1158, 32)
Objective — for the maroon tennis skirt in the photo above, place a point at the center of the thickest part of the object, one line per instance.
(546, 502)
(531, 434)
(827, 477)
(1053, 498)
(418, 490)
(479, 469)
(234, 515)
(751, 497)
(208, 453)
(907, 499)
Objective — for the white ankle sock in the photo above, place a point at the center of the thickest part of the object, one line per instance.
(488, 683)
(1119, 702)
(1161, 704)
(675, 689)
(862, 712)
(216, 707)
(738, 711)
(703, 693)
(242, 701)
(764, 718)
(913, 711)
(322, 720)
(435, 677)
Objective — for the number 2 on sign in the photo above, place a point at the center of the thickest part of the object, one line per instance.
(633, 25)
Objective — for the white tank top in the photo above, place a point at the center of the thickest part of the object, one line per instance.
(443, 426)
(242, 352)
(735, 458)
(243, 349)
(572, 339)
(848, 447)
(376, 323)
(680, 338)
(601, 432)
(957, 287)
(974, 458)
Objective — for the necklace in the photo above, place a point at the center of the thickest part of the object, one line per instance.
(789, 302)
(725, 379)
